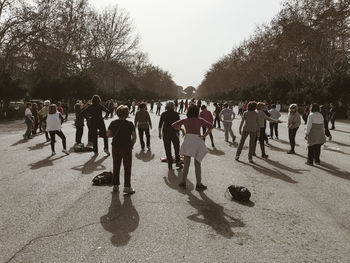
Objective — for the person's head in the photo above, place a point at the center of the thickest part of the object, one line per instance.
(35, 106)
(29, 105)
(193, 112)
(122, 112)
(47, 103)
(332, 105)
(225, 105)
(169, 106)
(96, 99)
(203, 107)
(215, 104)
(315, 107)
(59, 103)
(260, 105)
(273, 106)
(142, 106)
(293, 108)
(52, 109)
(252, 106)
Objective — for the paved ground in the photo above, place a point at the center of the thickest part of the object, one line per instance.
(50, 212)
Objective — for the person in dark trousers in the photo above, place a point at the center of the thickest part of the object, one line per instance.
(217, 115)
(29, 120)
(325, 115)
(152, 105)
(79, 123)
(53, 126)
(181, 109)
(65, 110)
(35, 113)
(205, 114)
(144, 124)
(332, 116)
(169, 134)
(124, 138)
(274, 114)
(97, 125)
(294, 121)
(314, 134)
(40, 106)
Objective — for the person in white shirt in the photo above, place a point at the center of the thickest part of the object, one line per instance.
(274, 114)
(278, 106)
(53, 126)
(314, 134)
(227, 116)
(29, 121)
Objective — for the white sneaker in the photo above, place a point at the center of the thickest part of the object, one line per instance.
(116, 188)
(65, 151)
(53, 153)
(129, 190)
(107, 152)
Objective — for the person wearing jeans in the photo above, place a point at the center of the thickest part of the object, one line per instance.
(314, 134)
(144, 124)
(124, 138)
(169, 134)
(250, 124)
(227, 116)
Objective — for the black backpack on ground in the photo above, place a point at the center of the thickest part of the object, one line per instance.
(104, 178)
(239, 193)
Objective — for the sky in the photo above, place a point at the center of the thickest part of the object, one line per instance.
(185, 37)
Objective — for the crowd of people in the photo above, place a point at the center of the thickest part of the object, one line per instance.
(199, 123)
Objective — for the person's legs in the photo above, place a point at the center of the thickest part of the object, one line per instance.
(276, 129)
(167, 147)
(79, 134)
(241, 143)
(211, 138)
(198, 171)
(141, 138)
(148, 138)
(310, 154)
(333, 123)
(187, 162)
(176, 142)
(252, 142)
(317, 152)
(52, 135)
(230, 130)
(271, 129)
(127, 162)
(61, 135)
(94, 138)
(261, 141)
(47, 136)
(117, 160)
(204, 130)
(226, 128)
(29, 129)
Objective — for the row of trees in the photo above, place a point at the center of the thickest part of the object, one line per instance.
(65, 48)
(301, 55)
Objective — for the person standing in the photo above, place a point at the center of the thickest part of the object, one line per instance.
(79, 123)
(40, 106)
(159, 105)
(186, 105)
(262, 120)
(29, 120)
(314, 134)
(152, 105)
(144, 124)
(206, 115)
(35, 114)
(227, 115)
(251, 126)
(60, 108)
(294, 121)
(332, 112)
(43, 114)
(325, 115)
(193, 145)
(169, 134)
(274, 114)
(133, 106)
(124, 139)
(216, 114)
(53, 126)
(97, 124)
(278, 106)
(176, 104)
(181, 109)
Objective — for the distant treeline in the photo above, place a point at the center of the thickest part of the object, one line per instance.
(302, 55)
(65, 48)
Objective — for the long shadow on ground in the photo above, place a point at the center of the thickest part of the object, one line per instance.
(45, 162)
(91, 165)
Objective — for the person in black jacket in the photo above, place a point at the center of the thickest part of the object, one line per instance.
(79, 122)
(170, 135)
(94, 111)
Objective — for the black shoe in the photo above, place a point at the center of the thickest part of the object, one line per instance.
(291, 152)
(179, 165)
(318, 163)
(308, 163)
(234, 138)
(265, 156)
(251, 161)
(212, 145)
(254, 154)
(201, 187)
(237, 158)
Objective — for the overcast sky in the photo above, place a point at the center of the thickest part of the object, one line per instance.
(185, 37)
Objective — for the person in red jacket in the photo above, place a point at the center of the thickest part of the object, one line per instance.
(59, 108)
(205, 114)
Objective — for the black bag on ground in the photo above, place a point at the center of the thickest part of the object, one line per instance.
(239, 193)
(104, 178)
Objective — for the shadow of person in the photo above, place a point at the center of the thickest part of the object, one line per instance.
(333, 170)
(19, 142)
(275, 173)
(215, 151)
(145, 156)
(45, 162)
(91, 165)
(37, 146)
(172, 181)
(121, 220)
(340, 143)
(284, 167)
(213, 215)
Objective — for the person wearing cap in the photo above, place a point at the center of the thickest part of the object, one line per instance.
(227, 115)
(169, 134)
(43, 113)
(294, 121)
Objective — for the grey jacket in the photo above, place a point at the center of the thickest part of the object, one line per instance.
(250, 119)
(294, 120)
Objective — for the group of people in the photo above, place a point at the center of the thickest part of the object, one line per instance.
(195, 128)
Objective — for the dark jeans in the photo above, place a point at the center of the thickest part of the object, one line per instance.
(148, 137)
(119, 155)
(79, 134)
(217, 119)
(314, 152)
(29, 127)
(333, 124)
(59, 134)
(210, 135)
(158, 111)
(326, 130)
(252, 139)
(167, 140)
(261, 139)
(36, 125)
(98, 129)
(273, 127)
(292, 133)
